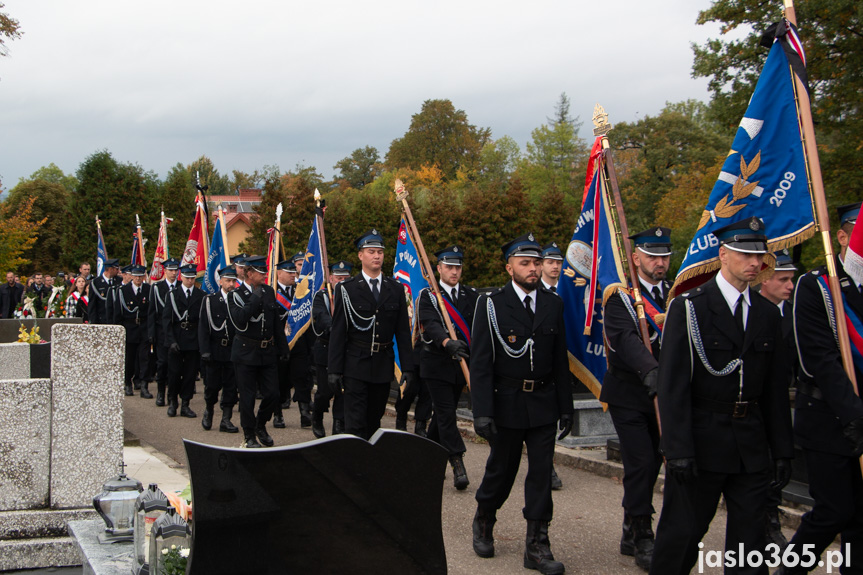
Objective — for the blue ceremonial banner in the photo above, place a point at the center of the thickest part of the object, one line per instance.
(217, 258)
(764, 175)
(408, 271)
(300, 314)
(592, 265)
(101, 252)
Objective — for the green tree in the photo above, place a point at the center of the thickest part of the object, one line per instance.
(177, 199)
(48, 203)
(18, 233)
(439, 135)
(360, 168)
(52, 174)
(217, 184)
(555, 153)
(10, 28)
(499, 159)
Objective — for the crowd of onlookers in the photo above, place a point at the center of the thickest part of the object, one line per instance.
(44, 295)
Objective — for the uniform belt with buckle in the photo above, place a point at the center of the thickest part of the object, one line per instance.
(526, 385)
(736, 409)
(225, 342)
(188, 324)
(373, 347)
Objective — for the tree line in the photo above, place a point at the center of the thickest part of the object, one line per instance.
(467, 186)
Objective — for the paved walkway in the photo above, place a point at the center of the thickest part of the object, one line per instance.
(585, 532)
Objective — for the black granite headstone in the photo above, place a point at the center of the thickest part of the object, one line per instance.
(335, 505)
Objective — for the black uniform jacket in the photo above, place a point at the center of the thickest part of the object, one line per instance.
(131, 311)
(435, 362)
(629, 360)
(215, 330)
(352, 351)
(696, 407)
(10, 296)
(158, 300)
(181, 324)
(818, 422)
(98, 309)
(492, 369)
(322, 323)
(260, 337)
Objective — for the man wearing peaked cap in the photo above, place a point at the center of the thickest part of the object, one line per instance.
(215, 339)
(629, 387)
(155, 330)
(98, 309)
(180, 323)
(257, 347)
(297, 259)
(520, 388)
(440, 356)
(239, 263)
(724, 410)
(132, 306)
(778, 289)
(552, 262)
(371, 312)
(828, 415)
(322, 322)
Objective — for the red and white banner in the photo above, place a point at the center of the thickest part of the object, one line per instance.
(196, 246)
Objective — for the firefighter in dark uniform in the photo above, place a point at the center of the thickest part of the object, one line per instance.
(629, 387)
(286, 274)
(239, 263)
(723, 401)
(159, 298)
(552, 263)
(300, 366)
(258, 345)
(519, 376)
(440, 367)
(113, 303)
(778, 289)
(828, 415)
(133, 302)
(180, 323)
(322, 322)
(215, 340)
(370, 311)
(97, 309)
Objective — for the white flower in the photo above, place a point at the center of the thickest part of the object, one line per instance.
(173, 547)
(165, 551)
(184, 552)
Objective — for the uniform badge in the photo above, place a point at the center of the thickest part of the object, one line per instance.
(658, 233)
(753, 225)
(511, 338)
(455, 249)
(374, 232)
(530, 237)
(342, 266)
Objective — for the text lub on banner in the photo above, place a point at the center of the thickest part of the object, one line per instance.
(764, 175)
(308, 284)
(592, 265)
(408, 271)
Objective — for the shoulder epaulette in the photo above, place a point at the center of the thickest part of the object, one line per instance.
(495, 291)
(693, 293)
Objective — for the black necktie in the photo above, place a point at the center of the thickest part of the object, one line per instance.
(553, 289)
(657, 295)
(375, 291)
(188, 293)
(453, 295)
(738, 314)
(527, 301)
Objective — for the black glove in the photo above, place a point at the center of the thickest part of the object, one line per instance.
(174, 348)
(651, 380)
(336, 383)
(408, 383)
(205, 356)
(853, 432)
(485, 428)
(458, 349)
(564, 425)
(259, 291)
(682, 470)
(781, 473)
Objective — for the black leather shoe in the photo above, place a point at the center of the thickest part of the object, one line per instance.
(318, 425)
(556, 483)
(279, 421)
(250, 441)
(642, 534)
(627, 542)
(537, 550)
(263, 436)
(338, 426)
(160, 399)
(305, 415)
(207, 418)
(172, 408)
(226, 425)
(145, 393)
(128, 389)
(483, 533)
(459, 473)
(185, 410)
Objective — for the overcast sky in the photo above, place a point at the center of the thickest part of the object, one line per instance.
(279, 82)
